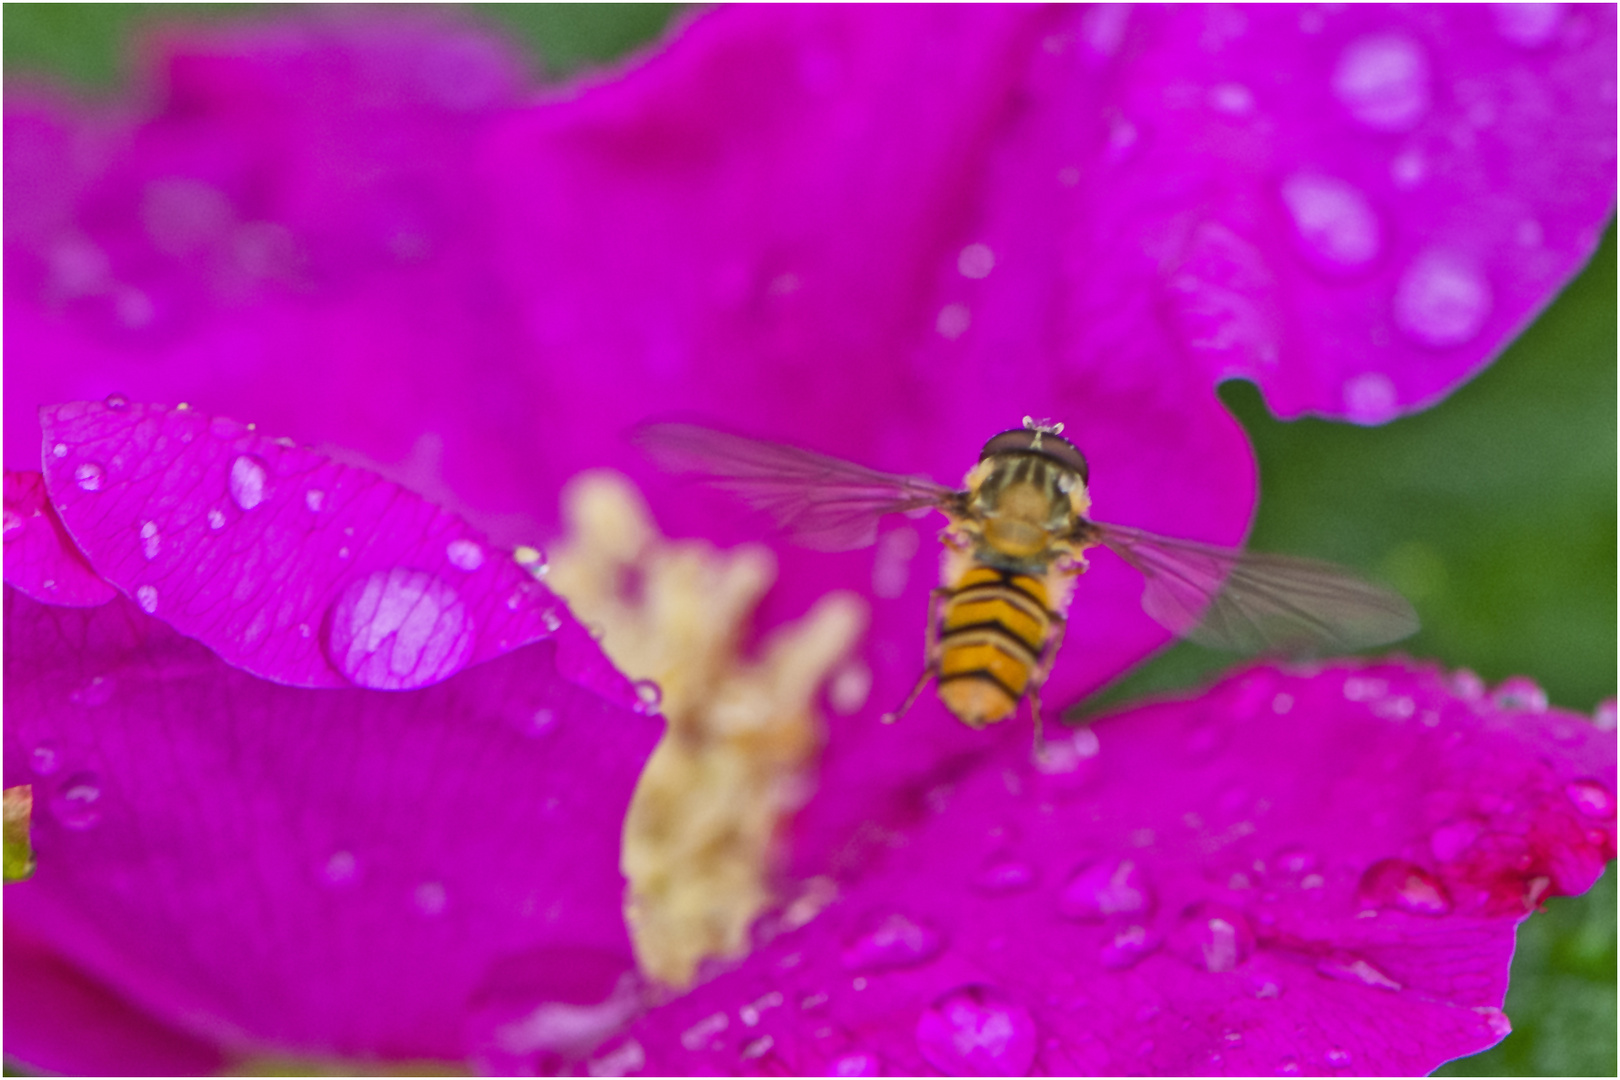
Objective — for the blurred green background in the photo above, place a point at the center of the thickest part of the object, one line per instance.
(1494, 512)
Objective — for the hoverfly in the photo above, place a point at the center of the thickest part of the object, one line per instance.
(1015, 538)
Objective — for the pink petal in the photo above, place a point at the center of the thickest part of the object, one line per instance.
(1294, 872)
(309, 872)
(285, 563)
(41, 560)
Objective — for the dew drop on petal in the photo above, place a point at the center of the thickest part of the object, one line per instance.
(247, 481)
(1496, 1020)
(45, 760)
(540, 721)
(216, 520)
(1605, 717)
(1590, 798)
(341, 868)
(313, 498)
(626, 1059)
(1288, 1066)
(953, 321)
(398, 629)
(649, 696)
(976, 261)
(77, 801)
(702, 1033)
(531, 560)
(977, 1030)
(757, 1048)
(1520, 692)
(151, 540)
(1355, 969)
(1232, 99)
(1000, 874)
(1214, 937)
(1441, 300)
(890, 940)
(465, 554)
(855, 1063)
(1334, 224)
(1527, 25)
(59, 450)
(551, 620)
(89, 476)
(1383, 80)
(1337, 1056)
(1107, 887)
(1404, 886)
(1128, 945)
(1370, 398)
(147, 597)
(13, 524)
(430, 898)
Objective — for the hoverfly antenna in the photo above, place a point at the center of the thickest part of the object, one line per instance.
(1041, 427)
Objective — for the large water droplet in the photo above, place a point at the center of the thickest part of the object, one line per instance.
(147, 597)
(1333, 222)
(977, 1031)
(649, 696)
(1214, 937)
(890, 940)
(342, 868)
(314, 498)
(1527, 25)
(1383, 80)
(465, 554)
(77, 801)
(1337, 1056)
(89, 476)
(1370, 398)
(953, 321)
(151, 540)
(540, 1011)
(247, 481)
(1355, 969)
(216, 520)
(1107, 887)
(1590, 798)
(1128, 945)
(1401, 885)
(1442, 300)
(398, 630)
(1520, 692)
(976, 261)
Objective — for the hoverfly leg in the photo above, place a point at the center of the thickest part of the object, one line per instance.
(1035, 708)
(1037, 678)
(936, 601)
(889, 718)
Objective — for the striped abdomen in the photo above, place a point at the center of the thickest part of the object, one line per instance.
(992, 631)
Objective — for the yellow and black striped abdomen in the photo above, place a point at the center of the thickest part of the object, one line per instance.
(991, 635)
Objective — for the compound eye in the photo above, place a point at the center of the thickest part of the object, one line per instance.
(1046, 443)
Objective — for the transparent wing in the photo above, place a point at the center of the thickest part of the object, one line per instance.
(823, 502)
(1242, 601)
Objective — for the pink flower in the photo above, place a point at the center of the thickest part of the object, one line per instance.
(884, 234)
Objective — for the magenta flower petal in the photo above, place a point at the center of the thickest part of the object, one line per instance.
(41, 560)
(283, 562)
(1320, 873)
(324, 872)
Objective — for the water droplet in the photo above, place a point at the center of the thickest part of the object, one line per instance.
(1334, 224)
(976, 261)
(626, 1059)
(1383, 80)
(702, 1033)
(1370, 398)
(758, 1048)
(430, 898)
(464, 554)
(398, 630)
(890, 940)
(1107, 887)
(1214, 937)
(857, 1063)
(216, 520)
(1288, 1066)
(849, 688)
(117, 402)
(1354, 969)
(77, 802)
(1449, 841)
(59, 450)
(147, 597)
(1102, 28)
(1590, 798)
(342, 868)
(89, 476)
(313, 498)
(45, 760)
(540, 721)
(1496, 1020)
(1527, 25)
(531, 560)
(1128, 945)
(551, 620)
(1071, 757)
(1467, 685)
(1398, 884)
(1264, 988)
(1442, 300)
(151, 540)
(1605, 717)
(977, 1030)
(1337, 1056)
(648, 696)
(1001, 874)
(1519, 692)
(247, 481)
(953, 321)
(1233, 99)
(98, 691)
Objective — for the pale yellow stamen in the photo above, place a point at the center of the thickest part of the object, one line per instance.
(739, 753)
